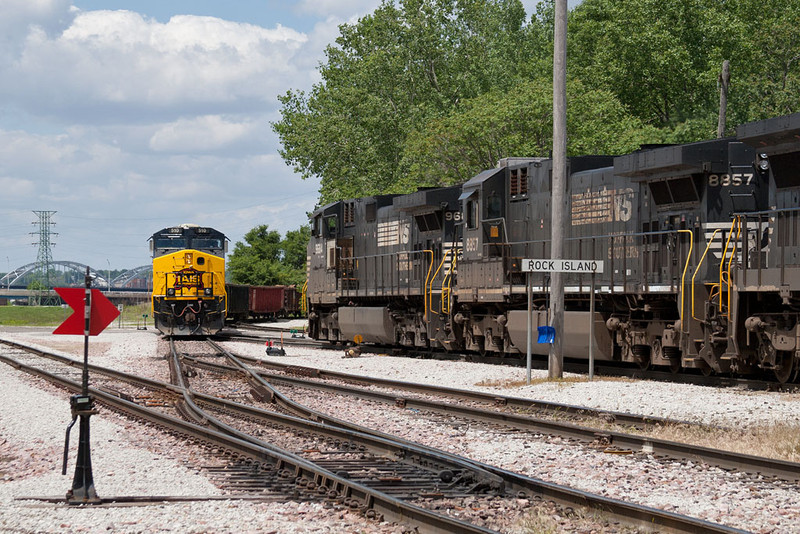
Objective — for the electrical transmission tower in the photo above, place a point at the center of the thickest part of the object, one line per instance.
(45, 256)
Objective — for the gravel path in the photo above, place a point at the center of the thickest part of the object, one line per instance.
(125, 463)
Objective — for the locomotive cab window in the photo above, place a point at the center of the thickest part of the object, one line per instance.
(206, 244)
(330, 226)
(177, 244)
(372, 211)
(472, 214)
(494, 206)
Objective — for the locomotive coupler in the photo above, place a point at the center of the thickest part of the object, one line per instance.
(82, 491)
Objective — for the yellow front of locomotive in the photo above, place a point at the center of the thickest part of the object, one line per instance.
(189, 296)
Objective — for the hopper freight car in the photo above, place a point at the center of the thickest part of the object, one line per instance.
(271, 302)
(238, 302)
(700, 245)
(247, 302)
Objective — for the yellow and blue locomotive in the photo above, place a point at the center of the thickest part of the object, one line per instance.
(189, 297)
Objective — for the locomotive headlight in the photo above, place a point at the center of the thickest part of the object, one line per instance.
(763, 162)
(207, 291)
(170, 291)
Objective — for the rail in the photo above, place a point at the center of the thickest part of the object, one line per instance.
(392, 508)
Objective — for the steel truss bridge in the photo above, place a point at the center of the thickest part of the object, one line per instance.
(100, 281)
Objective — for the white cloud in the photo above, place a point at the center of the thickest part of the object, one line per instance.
(124, 124)
(16, 188)
(200, 134)
(19, 16)
(108, 62)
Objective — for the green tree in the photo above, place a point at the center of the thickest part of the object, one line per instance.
(428, 92)
(518, 122)
(294, 247)
(257, 261)
(765, 75)
(660, 57)
(266, 259)
(385, 77)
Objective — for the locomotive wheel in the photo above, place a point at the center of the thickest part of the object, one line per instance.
(674, 365)
(783, 366)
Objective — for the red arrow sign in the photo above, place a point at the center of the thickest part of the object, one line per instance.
(101, 314)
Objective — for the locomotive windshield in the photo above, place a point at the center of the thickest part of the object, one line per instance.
(182, 237)
(205, 244)
(178, 243)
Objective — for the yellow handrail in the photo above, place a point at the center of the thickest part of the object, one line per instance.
(738, 223)
(303, 296)
(702, 258)
(724, 254)
(448, 279)
(685, 267)
(425, 289)
(444, 258)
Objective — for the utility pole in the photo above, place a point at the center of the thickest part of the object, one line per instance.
(555, 365)
(724, 79)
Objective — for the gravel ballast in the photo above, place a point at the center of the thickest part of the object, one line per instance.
(130, 460)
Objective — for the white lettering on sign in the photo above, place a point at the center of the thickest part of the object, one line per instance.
(561, 266)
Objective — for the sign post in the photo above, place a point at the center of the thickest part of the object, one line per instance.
(561, 266)
(98, 313)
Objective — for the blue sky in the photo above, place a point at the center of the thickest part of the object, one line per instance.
(127, 116)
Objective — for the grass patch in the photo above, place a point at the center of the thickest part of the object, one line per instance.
(780, 441)
(55, 315)
(548, 518)
(33, 315)
(508, 383)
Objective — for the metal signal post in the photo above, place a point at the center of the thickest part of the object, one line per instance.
(82, 405)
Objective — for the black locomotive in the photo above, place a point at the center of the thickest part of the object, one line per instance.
(700, 246)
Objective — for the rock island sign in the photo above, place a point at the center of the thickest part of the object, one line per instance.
(561, 266)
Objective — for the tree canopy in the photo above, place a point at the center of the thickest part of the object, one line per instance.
(430, 92)
(266, 259)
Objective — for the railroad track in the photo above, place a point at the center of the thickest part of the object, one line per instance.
(291, 476)
(616, 441)
(304, 479)
(601, 368)
(516, 485)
